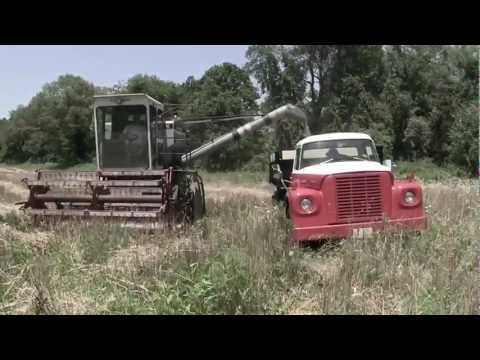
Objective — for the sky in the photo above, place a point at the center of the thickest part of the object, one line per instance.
(25, 69)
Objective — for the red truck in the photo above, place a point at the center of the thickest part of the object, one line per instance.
(338, 186)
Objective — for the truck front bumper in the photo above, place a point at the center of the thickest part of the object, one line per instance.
(358, 230)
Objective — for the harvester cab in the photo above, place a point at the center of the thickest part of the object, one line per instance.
(133, 131)
(142, 171)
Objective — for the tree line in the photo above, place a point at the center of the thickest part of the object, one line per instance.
(418, 101)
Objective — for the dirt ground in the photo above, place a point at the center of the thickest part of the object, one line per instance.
(11, 179)
(11, 182)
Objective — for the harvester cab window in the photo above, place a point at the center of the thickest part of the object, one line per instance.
(122, 136)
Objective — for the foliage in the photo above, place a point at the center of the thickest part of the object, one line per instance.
(224, 90)
(417, 136)
(464, 138)
(163, 91)
(55, 126)
(427, 171)
(406, 97)
(416, 100)
(3, 134)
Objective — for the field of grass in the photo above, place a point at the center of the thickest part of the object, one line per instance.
(236, 261)
(427, 171)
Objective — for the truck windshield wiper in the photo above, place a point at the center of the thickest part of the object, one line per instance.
(326, 161)
(346, 156)
(355, 157)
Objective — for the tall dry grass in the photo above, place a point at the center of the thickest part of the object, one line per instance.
(237, 261)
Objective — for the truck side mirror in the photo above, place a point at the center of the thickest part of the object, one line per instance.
(389, 164)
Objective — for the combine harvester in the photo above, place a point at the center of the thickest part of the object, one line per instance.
(142, 174)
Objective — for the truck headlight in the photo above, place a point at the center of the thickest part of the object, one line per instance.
(409, 197)
(306, 204)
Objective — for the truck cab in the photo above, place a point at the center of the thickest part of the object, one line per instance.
(339, 188)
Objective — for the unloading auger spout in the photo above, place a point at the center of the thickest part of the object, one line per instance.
(286, 111)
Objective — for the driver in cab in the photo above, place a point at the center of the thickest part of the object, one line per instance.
(135, 136)
(334, 154)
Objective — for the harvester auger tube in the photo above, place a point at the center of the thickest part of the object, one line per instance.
(286, 111)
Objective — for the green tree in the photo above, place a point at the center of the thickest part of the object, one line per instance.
(163, 91)
(417, 137)
(167, 92)
(464, 138)
(357, 80)
(280, 74)
(325, 79)
(364, 62)
(3, 132)
(403, 95)
(464, 67)
(435, 81)
(56, 124)
(223, 90)
(3, 128)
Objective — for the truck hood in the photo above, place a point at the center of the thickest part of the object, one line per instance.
(342, 167)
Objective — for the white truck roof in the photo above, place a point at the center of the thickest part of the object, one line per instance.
(334, 136)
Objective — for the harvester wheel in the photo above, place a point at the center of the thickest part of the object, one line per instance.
(198, 203)
(192, 205)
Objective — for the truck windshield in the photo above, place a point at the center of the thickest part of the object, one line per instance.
(122, 136)
(318, 152)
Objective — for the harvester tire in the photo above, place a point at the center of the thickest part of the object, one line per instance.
(198, 203)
